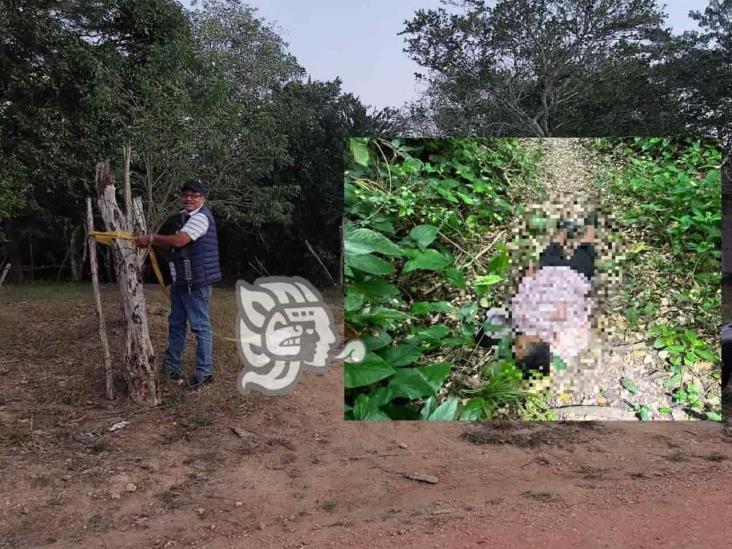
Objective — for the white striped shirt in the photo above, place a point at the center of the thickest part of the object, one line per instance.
(195, 227)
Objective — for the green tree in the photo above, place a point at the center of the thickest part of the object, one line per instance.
(532, 66)
(700, 70)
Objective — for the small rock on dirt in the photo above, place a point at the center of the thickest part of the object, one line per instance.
(423, 477)
(131, 487)
(119, 425)
(241, 433)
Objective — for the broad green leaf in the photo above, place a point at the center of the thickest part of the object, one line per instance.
(365, 239)
(429, 260)
(352, 302)
(378, 341)
(401, 355)
(488, 280)
(369, 264)
(429, 406)
(385, 226)
(425, 307)
(448, 195)
(447, 411)
(366, 408)
(419, 382)
(371, 288)
(360, 150)
(498, 264)
(424, 235)
(473, 410)
(434, 333)
(355, 248)
(370, 370)
(386, 313)
(359, 407)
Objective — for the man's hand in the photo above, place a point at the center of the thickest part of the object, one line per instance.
(142, 240)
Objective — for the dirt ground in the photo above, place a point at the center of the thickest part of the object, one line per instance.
(297, 475)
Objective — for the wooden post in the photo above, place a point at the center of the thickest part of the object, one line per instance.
(92, 245)
(5, 272)
(140, 369)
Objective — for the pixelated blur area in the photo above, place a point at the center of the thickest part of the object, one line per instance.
(536, 279)
(530, 237)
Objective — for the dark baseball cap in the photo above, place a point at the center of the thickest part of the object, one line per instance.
(194, 185)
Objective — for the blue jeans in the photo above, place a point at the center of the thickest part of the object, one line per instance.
(190, 309)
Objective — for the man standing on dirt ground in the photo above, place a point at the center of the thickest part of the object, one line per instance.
(194, 270)
(550, 311)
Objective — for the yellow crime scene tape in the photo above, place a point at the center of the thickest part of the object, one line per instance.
(106, 238)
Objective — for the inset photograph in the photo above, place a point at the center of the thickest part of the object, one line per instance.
(533, 279)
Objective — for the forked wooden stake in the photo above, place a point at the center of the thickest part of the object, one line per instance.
(92, 244)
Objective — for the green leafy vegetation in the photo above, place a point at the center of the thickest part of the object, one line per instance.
(667, 191)
(417, 214)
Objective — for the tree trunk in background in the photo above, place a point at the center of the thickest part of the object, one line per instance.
(139, 366)
(15, 275)
(74, 255)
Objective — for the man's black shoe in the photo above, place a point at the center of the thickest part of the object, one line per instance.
(195, 383)
(170, 376)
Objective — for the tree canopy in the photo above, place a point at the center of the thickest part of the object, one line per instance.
(212, 92)
(570, 67)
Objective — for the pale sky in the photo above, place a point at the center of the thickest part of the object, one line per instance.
(358, 42)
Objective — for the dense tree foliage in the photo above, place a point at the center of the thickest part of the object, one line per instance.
(212, 93)
(549, 68)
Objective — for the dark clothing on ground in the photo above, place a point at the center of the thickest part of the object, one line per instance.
(582, 261)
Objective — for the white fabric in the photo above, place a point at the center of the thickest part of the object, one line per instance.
(552, 305)
(197, 224)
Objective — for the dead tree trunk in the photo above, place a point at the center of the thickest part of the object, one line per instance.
(139, 366)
